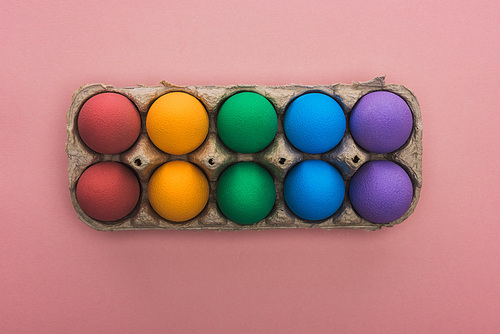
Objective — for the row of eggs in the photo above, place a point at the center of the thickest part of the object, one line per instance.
(177, 122)
(380, 191)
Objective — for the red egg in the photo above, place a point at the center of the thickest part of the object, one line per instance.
(108, 191)
(109, 123)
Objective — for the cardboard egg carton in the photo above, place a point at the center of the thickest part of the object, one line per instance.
(213, 157)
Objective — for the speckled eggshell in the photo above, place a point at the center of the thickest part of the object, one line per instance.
(314, 190)
(246, 193)
(314, 123)
(107, 191)
(381, 191)
(109, 123)
(247, 122)
(381, 122)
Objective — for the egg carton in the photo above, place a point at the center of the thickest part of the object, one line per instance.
(213, 157)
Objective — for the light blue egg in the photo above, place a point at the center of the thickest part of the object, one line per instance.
(314, 123)
(314, 190)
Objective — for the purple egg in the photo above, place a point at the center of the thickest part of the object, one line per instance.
(381, 191)
(381, 122)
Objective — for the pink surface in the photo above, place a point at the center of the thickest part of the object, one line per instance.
(437, 272)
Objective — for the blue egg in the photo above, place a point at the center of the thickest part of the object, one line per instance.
(314, 123)
(314, 190)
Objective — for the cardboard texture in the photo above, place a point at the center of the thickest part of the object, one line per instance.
(213, 157)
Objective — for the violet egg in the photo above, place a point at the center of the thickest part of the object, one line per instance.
(381, 191)
(381, 122)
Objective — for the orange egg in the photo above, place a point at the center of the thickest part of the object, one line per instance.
(177, 123)
(178, 191)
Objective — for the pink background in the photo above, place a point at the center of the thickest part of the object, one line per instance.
(438, 272)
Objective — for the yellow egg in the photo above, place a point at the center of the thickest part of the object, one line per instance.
(178, 191)
(177, 123)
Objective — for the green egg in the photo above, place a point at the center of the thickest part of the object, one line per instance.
(247, 122)
(246, 193)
